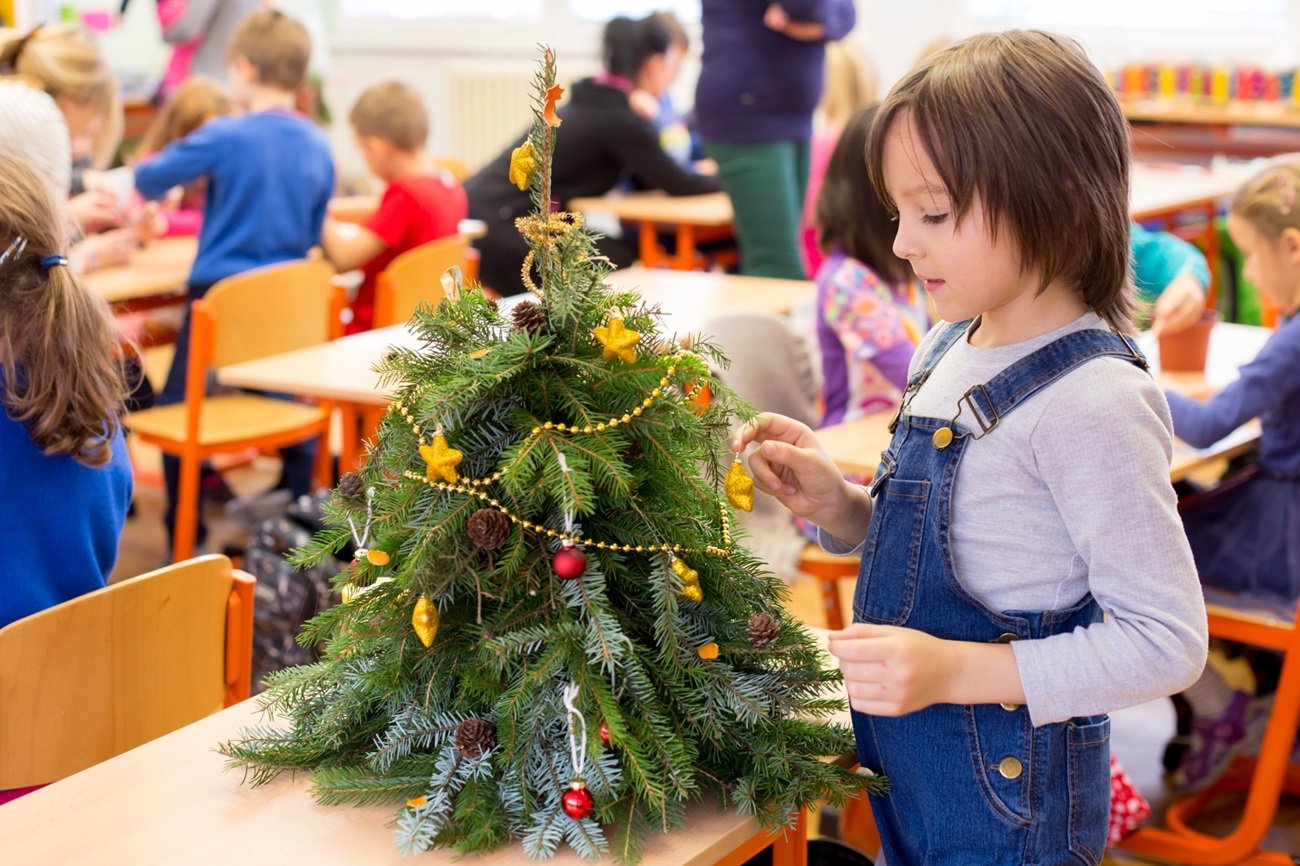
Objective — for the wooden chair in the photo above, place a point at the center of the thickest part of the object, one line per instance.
(415, 277)
(1264, 779)
(103, 673)
(263, 312)
(828, 570)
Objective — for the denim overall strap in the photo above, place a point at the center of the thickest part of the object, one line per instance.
(973, 784)
(1031, 374)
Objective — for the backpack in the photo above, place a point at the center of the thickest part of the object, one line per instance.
(286, 598)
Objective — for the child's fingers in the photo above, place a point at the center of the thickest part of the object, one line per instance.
(766, 477)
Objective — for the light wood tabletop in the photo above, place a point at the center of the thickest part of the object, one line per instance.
(342, 369)
(1160, 189)
(856, 446)
(158, 269)
(171, 801)
(710, 210)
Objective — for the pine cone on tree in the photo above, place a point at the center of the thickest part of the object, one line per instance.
(475, 737)
(763, 629)
(528, 316)
(634, 452)
(351, 486)
(488, 528)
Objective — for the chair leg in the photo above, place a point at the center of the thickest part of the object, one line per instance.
(187, 509)
(858, 826)
(323, 470)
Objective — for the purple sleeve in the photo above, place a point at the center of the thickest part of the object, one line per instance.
(893, 363)
(1265, 381)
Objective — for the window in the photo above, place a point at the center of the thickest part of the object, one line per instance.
(519, 10)
(425, 9)
(603, 10)
(1212, 16)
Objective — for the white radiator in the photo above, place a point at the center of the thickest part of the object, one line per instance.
(489, 109)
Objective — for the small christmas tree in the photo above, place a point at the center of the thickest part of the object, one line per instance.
(549, 632)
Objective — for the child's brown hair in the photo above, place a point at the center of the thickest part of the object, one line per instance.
(66, 61)
(1270, 200)
(276, 45)
(394, 112)
(1022, 121)
(57, 347)
(194, 103)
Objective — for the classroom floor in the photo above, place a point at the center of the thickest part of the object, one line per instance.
(1138, 734)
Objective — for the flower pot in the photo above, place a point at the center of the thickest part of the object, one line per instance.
(1184, 351)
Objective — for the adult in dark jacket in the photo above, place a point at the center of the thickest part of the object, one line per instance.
(760, 80)
(600, 143)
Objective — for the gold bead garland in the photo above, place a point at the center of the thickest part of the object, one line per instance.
(572, 537)
(472, 486)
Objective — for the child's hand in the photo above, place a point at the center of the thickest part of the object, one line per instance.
(644, 103)
(1179, 306)
(149, 223)
(105, 250)
(790, 464)
(94, 211)
(891, 671)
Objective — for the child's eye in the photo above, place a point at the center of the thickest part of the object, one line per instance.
(933, 219)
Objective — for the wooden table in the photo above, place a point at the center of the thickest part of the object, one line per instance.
(1184, 127)
(1159, 192)
(692, 217)
(156, 275)
(342, 370)
(169, 801)
(857, 445)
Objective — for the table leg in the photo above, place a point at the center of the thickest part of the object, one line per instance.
(348, 445)
(685, 259)
(791, 848)
(652, 255)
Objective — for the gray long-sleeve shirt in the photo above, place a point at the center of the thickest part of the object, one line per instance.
(1071, 494)
(213, 21)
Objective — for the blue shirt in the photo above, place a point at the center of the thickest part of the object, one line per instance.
(269, 179)
(1268, 388)
(61, 521)
(1158, 257)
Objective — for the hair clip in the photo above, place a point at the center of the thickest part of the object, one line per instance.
(1288, 193)
(53, 261)
(15, 249)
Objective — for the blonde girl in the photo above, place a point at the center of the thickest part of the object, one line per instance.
(66, 481)
(196, 101)
(1026, 488)
(66, 62)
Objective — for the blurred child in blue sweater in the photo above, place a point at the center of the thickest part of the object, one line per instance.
(269, 179)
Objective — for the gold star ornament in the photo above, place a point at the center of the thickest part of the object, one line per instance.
(740, 487)
(619, 342)
(440, 460)
(523, 163)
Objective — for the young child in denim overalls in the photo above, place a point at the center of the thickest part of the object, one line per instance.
(1024, 570)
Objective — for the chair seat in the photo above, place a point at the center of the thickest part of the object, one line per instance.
(228, 418)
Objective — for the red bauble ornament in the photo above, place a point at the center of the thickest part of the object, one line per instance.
(569, 563)
(604, 733)
(577, 802)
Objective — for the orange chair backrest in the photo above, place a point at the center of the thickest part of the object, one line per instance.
(415, 277)
(107, 671)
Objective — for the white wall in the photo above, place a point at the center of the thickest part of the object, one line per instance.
(422, 52)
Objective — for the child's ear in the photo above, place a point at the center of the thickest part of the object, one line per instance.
(247, 71)
(1289, 244)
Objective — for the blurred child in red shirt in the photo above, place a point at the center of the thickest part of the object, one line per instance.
(420, 204)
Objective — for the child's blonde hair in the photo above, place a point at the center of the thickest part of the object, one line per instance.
(1270, 200)
(394, 112)
(850, 82)
(276, 45)
(193, 104)
(1023, 121)
(67, 62)
(57, 346)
